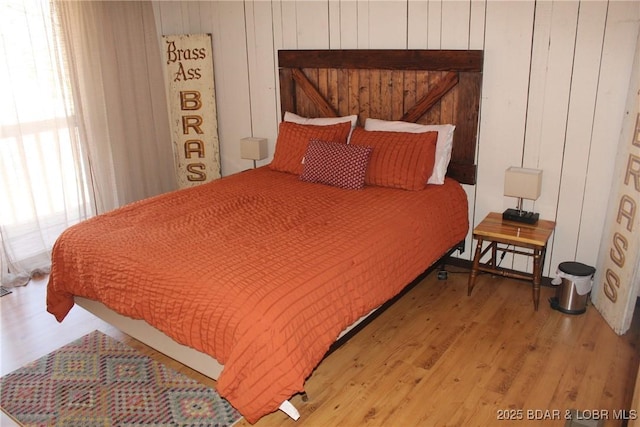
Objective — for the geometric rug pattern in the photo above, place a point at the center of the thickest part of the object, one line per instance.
(99, 381)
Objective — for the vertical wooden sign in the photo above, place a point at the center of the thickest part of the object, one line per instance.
(192, 108)
(617, 280)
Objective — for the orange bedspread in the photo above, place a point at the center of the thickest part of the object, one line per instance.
(260, 270)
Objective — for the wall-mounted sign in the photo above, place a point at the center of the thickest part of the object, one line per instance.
(617, 280)
(192, 107)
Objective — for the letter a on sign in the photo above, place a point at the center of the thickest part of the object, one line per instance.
(192, 104)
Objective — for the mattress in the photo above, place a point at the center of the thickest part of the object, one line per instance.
(258, 269)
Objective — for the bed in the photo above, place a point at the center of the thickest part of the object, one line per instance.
(251, 278)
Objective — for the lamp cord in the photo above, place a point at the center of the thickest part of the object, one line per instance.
(504, 252)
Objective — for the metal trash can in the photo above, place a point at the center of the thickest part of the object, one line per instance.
(574, 281)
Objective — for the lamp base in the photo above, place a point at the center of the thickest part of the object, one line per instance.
(520, 216)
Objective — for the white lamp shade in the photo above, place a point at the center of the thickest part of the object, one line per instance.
(523, 182)
(253, 148)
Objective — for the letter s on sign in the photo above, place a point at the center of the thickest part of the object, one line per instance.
(612, 283)
(198, 171)
(620, 244)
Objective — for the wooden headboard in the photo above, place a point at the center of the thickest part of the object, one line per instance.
(421, 86)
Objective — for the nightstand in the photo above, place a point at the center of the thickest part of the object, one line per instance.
(512, 237)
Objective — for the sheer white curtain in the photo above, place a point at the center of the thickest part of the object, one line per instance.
(84, 125)
(43, 186)
(112, 52)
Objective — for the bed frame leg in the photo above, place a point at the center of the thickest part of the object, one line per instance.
(305, 397)
(442, 272)
(288, 408)
(442, 266)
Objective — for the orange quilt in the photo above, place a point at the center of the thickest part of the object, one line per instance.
(259, 269)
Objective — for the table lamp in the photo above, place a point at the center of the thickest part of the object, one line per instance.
(522, 183)
(253, 149)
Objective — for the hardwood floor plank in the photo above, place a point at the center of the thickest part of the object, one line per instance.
(618, 377)
(542, 391)
(479, 409)
(523, 386)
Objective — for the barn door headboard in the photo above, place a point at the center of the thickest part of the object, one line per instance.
(421, 86)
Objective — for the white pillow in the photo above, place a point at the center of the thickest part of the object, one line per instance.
(444, 143)
(319, 121)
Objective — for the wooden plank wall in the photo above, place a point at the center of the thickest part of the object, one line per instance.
(555, 82)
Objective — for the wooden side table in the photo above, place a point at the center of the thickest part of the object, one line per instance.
(526, 239)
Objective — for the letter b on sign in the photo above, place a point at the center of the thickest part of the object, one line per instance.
(190, 100)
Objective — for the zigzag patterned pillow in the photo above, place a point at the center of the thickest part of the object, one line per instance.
(338, 165)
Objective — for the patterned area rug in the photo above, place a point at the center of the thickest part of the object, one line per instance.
(98, 381)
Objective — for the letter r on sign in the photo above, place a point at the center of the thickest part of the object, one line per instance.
(192, 122)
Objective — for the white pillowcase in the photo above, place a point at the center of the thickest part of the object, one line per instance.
(319, 121)
(444, 143)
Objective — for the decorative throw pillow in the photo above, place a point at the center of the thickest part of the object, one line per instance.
(339, 165)
(399, 159)
(444, 145)
(321, 121)
(293, 139)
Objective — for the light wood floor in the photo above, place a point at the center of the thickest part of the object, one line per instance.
(436, 358)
